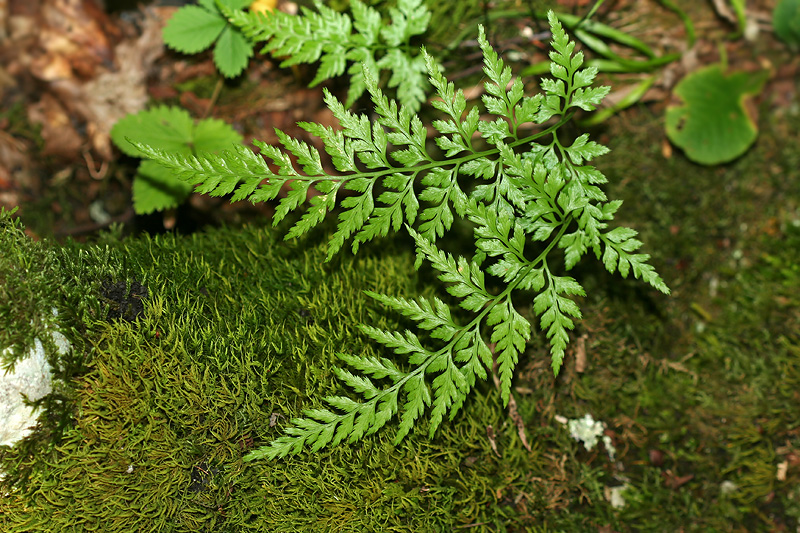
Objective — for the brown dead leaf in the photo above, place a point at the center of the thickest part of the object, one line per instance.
(725, 11)
(12, 155)
(75, 39)
(194, 104)
(59, 135)
(517, 419)
(3, 19)
(188, 71)
(92, 75)
(117, 91)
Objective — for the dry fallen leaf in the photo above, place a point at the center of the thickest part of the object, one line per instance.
(12, 156)
(75, 39)
(92, 75)
(58, 133)
(3, 19)
(117, 91)
(724, 11)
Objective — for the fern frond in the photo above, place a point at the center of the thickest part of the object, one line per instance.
(527, 198)
(335, 39)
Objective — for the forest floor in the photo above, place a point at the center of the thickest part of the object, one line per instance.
(699, 390)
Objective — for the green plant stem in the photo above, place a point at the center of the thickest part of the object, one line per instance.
(213, 100)
(687, 22)
(590, 13)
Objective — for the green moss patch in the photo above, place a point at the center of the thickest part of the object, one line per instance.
(240, 330)
(239, 333)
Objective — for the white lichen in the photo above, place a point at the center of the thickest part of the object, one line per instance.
(616, 495)
(31, 377)
(589, 431)
(728, 487)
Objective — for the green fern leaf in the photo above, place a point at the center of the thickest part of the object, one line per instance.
(333, 39)
(418, 398)
(434, 316)
(528, 198)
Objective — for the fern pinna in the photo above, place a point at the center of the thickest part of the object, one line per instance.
(532, 196)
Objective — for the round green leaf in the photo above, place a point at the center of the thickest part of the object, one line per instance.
(711, 124)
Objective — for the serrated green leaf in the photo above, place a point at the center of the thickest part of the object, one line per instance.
(169, 128)
(510, 333)
(494, 132)
(584, 77)
(418, 397)
(555, 88)
(232, 52)
(366, 20)
(549, 108)
(212, 135)
(567, 285)
(156, 188)
(582, 149)
(374, 366)
(588, 99)
(361, 385)
(621, 234)
(233, 4)
(527, 109)
(193, 29)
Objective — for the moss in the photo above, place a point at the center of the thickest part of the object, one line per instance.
(705, 381)
(25, 290)
(240, 332)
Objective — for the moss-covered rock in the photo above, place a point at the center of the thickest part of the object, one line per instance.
(192, 351)
(239, 332)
